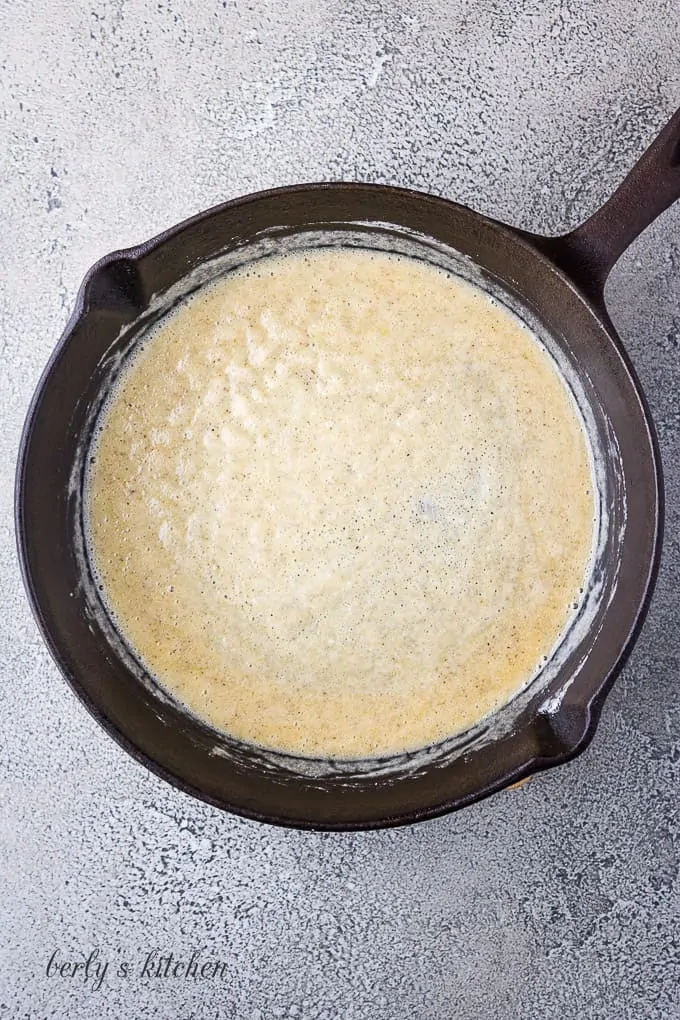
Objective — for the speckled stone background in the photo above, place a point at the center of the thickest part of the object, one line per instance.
(557, 900)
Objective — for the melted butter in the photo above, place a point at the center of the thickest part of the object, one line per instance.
(341, 504)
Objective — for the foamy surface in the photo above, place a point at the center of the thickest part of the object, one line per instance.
(341, 504)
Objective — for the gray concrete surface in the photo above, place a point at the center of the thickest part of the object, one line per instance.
(557, 900)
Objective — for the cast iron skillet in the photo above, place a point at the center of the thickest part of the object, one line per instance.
(559, 282)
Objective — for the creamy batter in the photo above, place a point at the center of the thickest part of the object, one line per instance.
(341, 504)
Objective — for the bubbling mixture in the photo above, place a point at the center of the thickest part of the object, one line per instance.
(341, 504)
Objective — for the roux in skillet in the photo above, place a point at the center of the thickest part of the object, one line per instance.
(341, 504)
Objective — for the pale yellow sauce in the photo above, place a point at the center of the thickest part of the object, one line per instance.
(341, 504)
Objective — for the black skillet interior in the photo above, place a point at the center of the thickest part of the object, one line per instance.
(542, 728)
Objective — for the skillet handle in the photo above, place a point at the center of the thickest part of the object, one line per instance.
(588, 253)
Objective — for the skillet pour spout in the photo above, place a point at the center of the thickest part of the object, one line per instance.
(557, 286)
